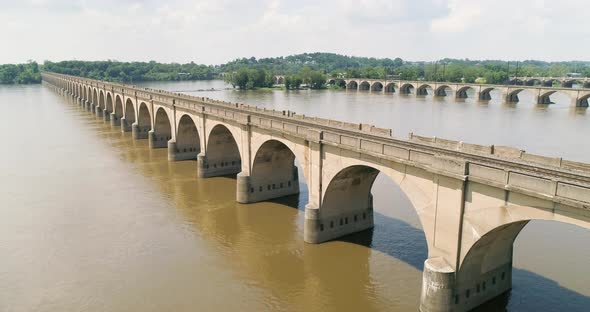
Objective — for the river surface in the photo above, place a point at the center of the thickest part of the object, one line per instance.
(91, 220)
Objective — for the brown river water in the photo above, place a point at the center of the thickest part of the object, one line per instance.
(91, 220)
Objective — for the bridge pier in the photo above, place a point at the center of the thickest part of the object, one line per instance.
(177, 153)
(511, 98)
(157, 141)
(444, 291)
(87, 105)
(319, 228)
(115, 122)
(251, 189)
(582, 102)
(461, 94)
(106, 115)
(138, 132)
(98, 111)
(543, 100)
(207, 168)
(125, 126)
(484, 96)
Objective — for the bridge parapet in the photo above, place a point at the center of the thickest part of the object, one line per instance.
(501, 151)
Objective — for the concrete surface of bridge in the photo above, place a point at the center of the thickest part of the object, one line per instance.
(472, 200)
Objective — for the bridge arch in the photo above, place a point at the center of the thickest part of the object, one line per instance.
(571, 82)
(274, 171)
(128, 115)
(583, 101)
(94, 97)
(513, 95)
(364, 86)
(188, 141)
(222, 152)
(162, 132)
(463, 92)
(443, 90)
(118, 112)
(549, 82)
(390, 87)
(486, 94)
(352, 85)
(144, 121)
(545, 98)
(108, 107)
(485, 269)
(101, 100)
(377, 86)
(347, 202)
(407, 88)
(423, 89)
(533, 82)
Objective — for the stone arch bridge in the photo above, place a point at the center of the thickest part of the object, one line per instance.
(580, 97)
(472, 200)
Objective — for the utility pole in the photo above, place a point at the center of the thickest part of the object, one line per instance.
(516, 79)
(435, 71)
(508, 74)
(444, 68)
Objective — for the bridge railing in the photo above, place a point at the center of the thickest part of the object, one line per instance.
(503, 152)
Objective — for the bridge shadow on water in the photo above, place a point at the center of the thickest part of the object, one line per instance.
(395, 238)
(407, 243)
(533, 292)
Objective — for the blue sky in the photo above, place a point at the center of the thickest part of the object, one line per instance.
(214, 32)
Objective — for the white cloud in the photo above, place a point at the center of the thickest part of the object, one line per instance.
(221, 30)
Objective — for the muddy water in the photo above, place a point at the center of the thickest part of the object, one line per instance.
(91, 220)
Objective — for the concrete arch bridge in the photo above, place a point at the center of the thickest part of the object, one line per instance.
(564, 82)
(472, 200)
(580, 97)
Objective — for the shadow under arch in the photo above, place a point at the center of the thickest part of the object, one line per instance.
(188, 141)
(364, 86)
(348, 209)
(109, 107)
(377, 86)
(129, 116)
(101, 103)
(144, 123)
(94, 97)
(162, 130)
(443, 90)
(117, 111)
(352, 85)
(422, 90)
(274, 174)
(222, 155)
(486, 273)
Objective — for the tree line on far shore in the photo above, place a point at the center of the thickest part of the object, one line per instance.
(310, 69)
(20, 73)
(253, 78)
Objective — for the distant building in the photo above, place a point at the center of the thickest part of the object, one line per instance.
(573, 75)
